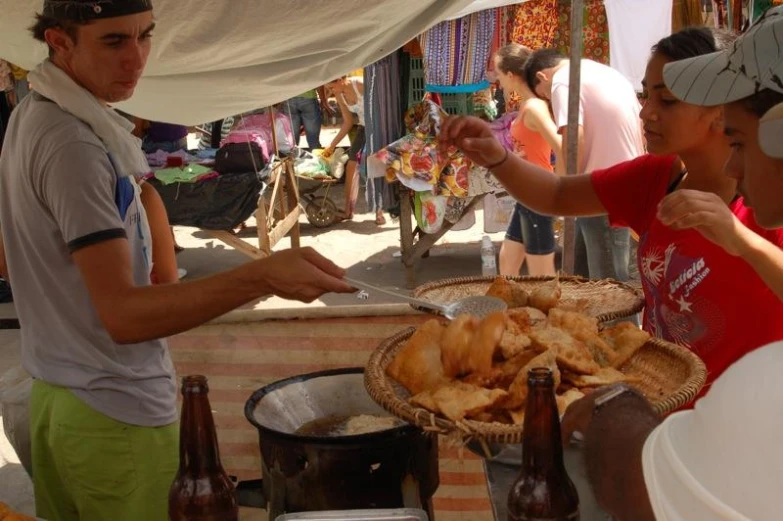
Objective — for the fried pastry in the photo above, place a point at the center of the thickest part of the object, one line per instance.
(485, 342)
(478, 368)
(511, 367)
(418, 366)
(514, 340)
(456, 400)
(526, 317)
(626, 339)
(584, 329)
(546, 296)
(457, 344)
(572, 322)
(517, 391)
(572, 354)
(511, 292)
(605, 376)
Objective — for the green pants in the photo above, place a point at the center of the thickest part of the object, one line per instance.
(89, 467)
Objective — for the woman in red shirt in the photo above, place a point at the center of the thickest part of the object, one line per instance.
(697, 294)
(530, 236)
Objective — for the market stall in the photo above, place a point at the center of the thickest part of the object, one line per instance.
(455, 57)
(247, 177)
(243, 353)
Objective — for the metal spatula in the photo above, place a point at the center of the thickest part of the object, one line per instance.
(478, 306)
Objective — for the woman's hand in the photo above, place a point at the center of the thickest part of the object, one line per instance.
(707, 213)
(474, 137)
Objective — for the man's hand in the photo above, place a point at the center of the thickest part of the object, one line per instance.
(707, 213)
(328, 152)
(302, 274)
(474, 137)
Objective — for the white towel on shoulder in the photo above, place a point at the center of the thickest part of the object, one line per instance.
(114, 130)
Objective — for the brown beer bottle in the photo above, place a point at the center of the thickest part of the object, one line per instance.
(543, 491)
(201, 490)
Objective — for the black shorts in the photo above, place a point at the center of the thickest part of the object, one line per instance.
(536, 231)
(357, 143)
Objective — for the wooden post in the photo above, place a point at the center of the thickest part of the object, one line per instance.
(274, 134)
(572, 132)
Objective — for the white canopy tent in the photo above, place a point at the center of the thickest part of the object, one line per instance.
(215, 59)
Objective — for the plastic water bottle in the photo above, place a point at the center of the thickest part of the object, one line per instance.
(489, 267)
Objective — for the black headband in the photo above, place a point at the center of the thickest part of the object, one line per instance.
(86, 10)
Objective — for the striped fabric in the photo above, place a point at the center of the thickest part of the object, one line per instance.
(456, 52)
(240, 358)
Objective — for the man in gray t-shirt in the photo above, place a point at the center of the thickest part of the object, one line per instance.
(78, 253)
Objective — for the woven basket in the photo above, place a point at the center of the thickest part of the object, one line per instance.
(607, 299)
(670, 376)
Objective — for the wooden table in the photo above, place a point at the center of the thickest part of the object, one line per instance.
(274, 220)
(414, 242)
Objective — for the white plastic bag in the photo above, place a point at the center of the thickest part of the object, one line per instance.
(15, 387)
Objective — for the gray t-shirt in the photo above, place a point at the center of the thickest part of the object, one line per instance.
(59, 192)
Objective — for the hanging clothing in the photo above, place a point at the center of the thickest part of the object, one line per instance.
(634, 27)
(383, 109)
(457, 52)
(413, 48)
(595, 31)
(686, 13)
(504, 29)
(757, 8)
(535, 24)
(736, 16)
(720, 13)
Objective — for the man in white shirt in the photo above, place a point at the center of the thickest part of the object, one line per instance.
(610, 132)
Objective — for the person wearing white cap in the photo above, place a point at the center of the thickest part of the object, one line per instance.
(748, 81)
(696, 293)
(722, 460)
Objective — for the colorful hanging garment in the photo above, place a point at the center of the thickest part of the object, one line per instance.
(457, 52)
(757, 8)
(595, 31)
(418, 163)
(686, 13)
(505, 25)
(535, 24)
(506, 16)
(720, 13)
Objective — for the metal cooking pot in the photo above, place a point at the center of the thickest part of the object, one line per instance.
(392, 468)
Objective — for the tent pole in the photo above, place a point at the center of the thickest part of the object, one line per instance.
(274, 134)
(572, 131)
